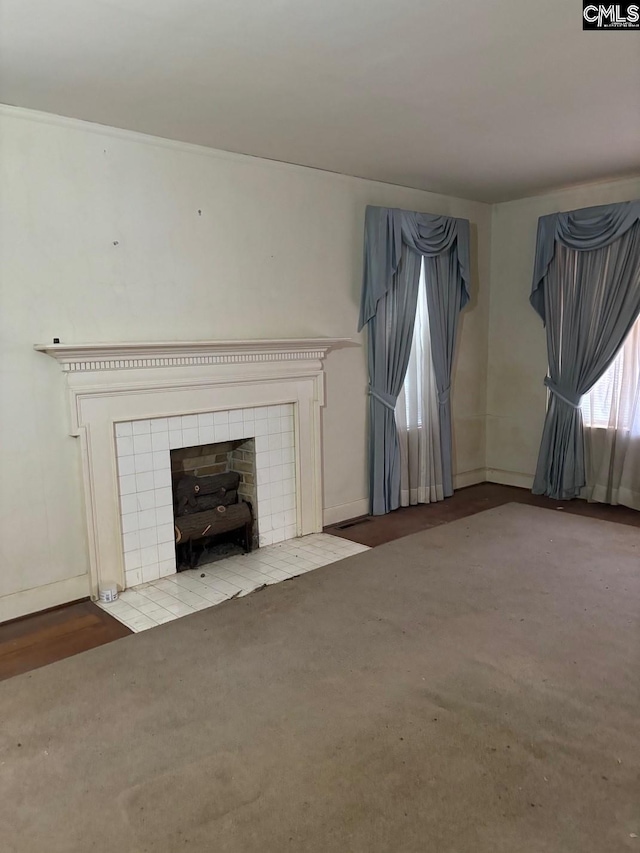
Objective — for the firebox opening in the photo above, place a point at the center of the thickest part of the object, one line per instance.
(214, 501)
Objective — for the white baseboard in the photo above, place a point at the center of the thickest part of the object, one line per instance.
(343, 512)
(509, 478)
(469, 478)
(41, 597)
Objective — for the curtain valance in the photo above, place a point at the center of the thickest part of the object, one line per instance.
(387, 230)
(581, 230)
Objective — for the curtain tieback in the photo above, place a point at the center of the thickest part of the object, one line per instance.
(567, 397)
(444, 395)
(386, 399)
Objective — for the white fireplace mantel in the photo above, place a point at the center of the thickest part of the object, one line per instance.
(109, 384)
(135, 355)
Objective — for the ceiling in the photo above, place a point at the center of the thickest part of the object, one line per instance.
(484, 99)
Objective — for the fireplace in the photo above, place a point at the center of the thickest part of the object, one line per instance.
(211, 521)
(220, 457)
(132, 404)
(214, 501)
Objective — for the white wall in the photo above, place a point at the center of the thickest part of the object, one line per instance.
(112, 236)
(516, 396)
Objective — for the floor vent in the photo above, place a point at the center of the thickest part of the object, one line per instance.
(353, 523)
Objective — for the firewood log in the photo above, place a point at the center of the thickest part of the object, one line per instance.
(211, 522)
(190, 486)
(205, 502)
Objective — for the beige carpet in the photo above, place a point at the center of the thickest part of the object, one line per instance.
(471, 689)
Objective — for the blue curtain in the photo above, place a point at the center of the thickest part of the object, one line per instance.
(586, 289)
(395, 241)
(445, 301)
(389, 347)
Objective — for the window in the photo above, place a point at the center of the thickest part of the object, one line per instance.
(614, 401)
(417, 416)
(419, 389)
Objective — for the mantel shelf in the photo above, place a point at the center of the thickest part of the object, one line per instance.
(121, 356)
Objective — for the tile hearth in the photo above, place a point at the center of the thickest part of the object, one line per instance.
(151, 604)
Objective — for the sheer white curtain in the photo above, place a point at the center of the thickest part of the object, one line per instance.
(611, 414)
(417, 417)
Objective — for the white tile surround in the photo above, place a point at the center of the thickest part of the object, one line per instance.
(180, 594)
(109, 384)
(144, 477)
